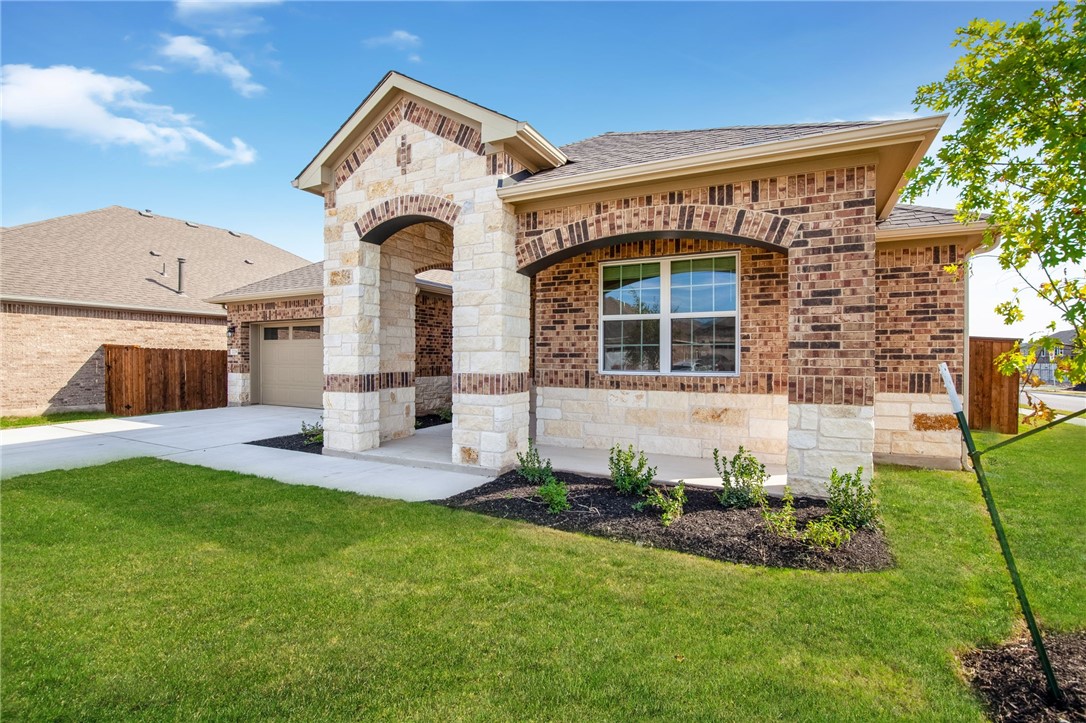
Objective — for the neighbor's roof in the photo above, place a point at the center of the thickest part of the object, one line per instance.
(617, 150)
(309, 280)
(119, 257)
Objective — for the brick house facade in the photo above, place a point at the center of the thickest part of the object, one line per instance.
(680, 291)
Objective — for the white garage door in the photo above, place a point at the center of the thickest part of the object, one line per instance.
(292, 365)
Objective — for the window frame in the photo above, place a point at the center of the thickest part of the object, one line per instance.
(666, 318)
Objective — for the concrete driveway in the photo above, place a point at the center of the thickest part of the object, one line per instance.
(216, 438)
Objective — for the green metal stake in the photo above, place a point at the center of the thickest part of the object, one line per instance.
(1034, 632)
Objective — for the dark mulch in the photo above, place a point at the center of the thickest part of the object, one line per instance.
(1009, 679)
(430, 420)
(705, 529)
(293, 442)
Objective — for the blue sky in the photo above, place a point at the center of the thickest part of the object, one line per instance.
(206, 111)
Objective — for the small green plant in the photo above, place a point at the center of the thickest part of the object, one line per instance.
(826, 533)
(532, 467)
(781, 522)
(743, 477)
(851, 501)
(555, 493)
(669, 501)
(445, 414)
(313, 433)
(630, 471)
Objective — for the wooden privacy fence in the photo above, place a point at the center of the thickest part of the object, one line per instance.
(143, 381)
(993, 397)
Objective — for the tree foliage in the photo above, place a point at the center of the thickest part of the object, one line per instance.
(1020, 155)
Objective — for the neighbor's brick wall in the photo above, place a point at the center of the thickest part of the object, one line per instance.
(433, 335)
(566, 324)
(51, 357)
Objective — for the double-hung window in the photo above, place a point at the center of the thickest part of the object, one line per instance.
(670, 316)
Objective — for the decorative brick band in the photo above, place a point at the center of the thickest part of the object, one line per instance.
(745, 226)
(858, 391)
(509, 383)
(916, 382)
(388, 217)
(420, 115)
(361, 383)
(747, 383)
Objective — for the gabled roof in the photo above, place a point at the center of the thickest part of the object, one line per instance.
(908, 216)
(118, 257)
(617, 150)
(517, 137)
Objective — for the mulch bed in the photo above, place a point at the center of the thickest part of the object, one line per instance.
(1009, 679)
(705, 529)
(430, 420)
(292, 442)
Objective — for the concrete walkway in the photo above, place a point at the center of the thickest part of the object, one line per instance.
(216, 438)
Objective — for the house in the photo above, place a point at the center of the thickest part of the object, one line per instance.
(1045, 368)
(69, 285)
(676, 290)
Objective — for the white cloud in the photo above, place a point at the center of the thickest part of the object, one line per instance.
(398, 39)
(107, 110)
(414, 58)
(195, 53)
(223, 18)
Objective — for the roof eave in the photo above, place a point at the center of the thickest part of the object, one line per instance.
(44, 300)
(265, 295)
(920, 130)
(973, 232)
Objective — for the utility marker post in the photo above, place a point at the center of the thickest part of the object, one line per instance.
(974, 455)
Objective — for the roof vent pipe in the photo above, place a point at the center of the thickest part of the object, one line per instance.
(180, 275)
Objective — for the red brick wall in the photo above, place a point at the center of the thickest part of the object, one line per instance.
(433, 335)
(51, 358)
(830, 325)
(566, 321)
(920, 318)
(240, 316)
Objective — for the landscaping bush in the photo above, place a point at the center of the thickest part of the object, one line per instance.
(444, 414)
(554, 492)
(669, 501)
(743, 477)
(631, 476)
(826, 533)
(851, 501)
(781, 522)
(313, 433)
(532, 467)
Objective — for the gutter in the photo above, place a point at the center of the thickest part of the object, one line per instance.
(920, 130)
(106, 305)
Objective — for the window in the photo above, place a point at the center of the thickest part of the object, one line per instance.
(676, 316)
(307, 332)
(276, 333)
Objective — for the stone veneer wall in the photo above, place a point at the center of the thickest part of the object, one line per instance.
(433, 352)
(241, 317)
(51, 356)
(920, 319)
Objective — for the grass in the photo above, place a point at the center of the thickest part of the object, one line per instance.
(146, 589)
(57, 418)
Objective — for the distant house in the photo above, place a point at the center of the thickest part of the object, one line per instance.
(69, 285)
(1045, 368)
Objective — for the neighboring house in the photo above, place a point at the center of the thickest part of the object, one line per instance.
(69, 285)
(676, 290)
(1045, 368)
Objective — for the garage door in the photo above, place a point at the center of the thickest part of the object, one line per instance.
(292, 365)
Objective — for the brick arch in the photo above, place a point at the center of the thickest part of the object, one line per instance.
(718, 223)
(386, 218)
(435, 267)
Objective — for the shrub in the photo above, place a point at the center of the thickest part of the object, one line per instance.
(826, 533)
(313, 433)
(781, 522)
(630, 476)
(669, 501)
(533, 468)
(851, 501)
(743, 477)
(444, 414)
(555, 493)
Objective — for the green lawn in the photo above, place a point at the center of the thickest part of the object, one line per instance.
(146, 589)
(58, 418)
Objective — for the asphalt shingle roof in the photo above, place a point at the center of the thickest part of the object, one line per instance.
(906, 216)
(105, 257)
(305, 278)
(617, 150)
